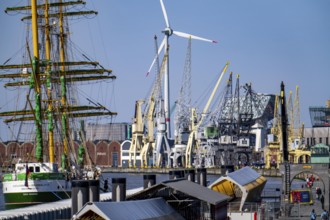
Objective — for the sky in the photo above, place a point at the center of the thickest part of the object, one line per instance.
(266, 42)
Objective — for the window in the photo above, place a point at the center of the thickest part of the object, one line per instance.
(320, 140)
(37, 169)
(114, 159)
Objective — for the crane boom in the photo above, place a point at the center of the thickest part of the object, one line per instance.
(192, 136)
(206, 108)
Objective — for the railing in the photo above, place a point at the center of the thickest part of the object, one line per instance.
(264, 210)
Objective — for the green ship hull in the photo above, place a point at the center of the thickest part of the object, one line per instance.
(20, 200)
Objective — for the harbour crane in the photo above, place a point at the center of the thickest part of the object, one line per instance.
(149, 116)
(182, 113)
(298, 152)
(143, 141)
(137, 134)
(295, 134)
(221, 122)
(296, 148)
(192, 144)
(148, 138)
(162, 149)
(227, 135)
(272, 150)
(296, 113)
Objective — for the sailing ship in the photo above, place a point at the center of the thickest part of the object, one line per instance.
(50, 76)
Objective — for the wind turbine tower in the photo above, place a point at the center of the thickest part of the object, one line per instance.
(168, 31)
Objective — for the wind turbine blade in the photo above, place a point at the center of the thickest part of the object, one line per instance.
(185, 35)
(158, 52)
(165, 14)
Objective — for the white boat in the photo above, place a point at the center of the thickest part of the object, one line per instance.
(35, 183)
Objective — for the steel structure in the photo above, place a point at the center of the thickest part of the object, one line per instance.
(182, 113)
(228, 137)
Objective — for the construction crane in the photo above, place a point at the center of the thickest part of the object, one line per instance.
(191, 145)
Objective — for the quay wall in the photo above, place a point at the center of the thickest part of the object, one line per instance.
(210, 171)
(151, 170)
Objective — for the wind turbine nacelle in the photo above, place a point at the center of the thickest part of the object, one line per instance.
(168, 31)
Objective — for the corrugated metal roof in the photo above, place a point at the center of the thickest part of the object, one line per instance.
(244, 175)
(155, 208)
(186, 187)
(51, 207)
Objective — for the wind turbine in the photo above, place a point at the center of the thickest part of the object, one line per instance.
(168, 31)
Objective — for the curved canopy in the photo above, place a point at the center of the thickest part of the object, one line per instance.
(250, 183)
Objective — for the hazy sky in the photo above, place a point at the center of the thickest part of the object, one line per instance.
(266, 42)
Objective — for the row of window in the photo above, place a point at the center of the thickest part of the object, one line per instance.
(312, 141)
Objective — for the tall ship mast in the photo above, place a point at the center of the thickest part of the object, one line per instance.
(50, 77)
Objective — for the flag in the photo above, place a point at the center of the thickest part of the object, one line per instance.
(27, 174)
